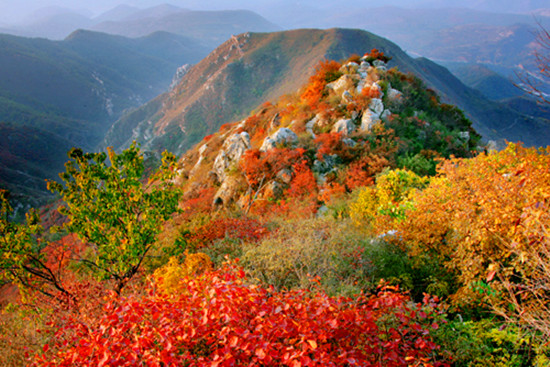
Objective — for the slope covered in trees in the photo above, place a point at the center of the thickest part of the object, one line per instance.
(355, 222)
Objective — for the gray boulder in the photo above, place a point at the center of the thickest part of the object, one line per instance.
(232, 150)
(344, 126)
(283, 136)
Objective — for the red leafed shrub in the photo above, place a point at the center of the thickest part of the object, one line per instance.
(246, 229)
(326, 72)
(218, 320)
(303, 182)
(199, 202)
(261, 167)
(362, 172)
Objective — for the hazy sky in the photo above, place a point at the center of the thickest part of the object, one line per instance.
(12, 10)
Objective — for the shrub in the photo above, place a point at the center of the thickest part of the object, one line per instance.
(170, 276)
(387, 201)
(220, 321)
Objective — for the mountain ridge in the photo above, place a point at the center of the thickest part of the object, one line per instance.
(180, 118)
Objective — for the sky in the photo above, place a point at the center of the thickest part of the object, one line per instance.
(15, 10)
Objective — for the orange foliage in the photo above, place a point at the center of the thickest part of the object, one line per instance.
(476, 218)
(331, 192)
(374, 54)
(325, 72)
(332, 143)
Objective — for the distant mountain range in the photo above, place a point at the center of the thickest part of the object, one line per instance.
(68, 93)
(210, 28)
(253, 68)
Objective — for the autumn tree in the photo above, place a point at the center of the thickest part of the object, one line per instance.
(21, 259)
(113, 211)
(484, 219)
(533, 83)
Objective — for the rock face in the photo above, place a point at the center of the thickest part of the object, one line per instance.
(227, 192)
(283, 136)
(368, 120)
(342, 84)
(201, 157)
(232, 150)
(344, 126)
(180, 73)
(376, 106)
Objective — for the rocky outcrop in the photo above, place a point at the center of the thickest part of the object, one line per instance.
(283, 136)
(180, 73)
(345, 83)
(368, 120)
(202, 149)
(344, 126)
(227, 193)
(232, 150)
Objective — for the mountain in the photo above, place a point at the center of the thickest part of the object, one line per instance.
(50, 22)
(117, 13)
(69, 93)
(209, 27)
(504, 42)
(493, 85)
(335, 133)
(253, 68)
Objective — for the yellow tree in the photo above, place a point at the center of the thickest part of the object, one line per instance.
(485, 219)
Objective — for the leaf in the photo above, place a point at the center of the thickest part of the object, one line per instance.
(260, 353)
(313, 344)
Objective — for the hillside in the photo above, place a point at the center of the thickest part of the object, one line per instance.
(350, 122)
(256, 67)
(314, 232)
(71, 91)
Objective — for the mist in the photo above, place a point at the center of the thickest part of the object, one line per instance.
(21, 11)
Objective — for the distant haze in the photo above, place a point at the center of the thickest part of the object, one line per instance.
(15, 11)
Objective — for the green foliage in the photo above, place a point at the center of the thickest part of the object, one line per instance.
(110, 209)
(418, 163)
(21, 260)
(487, 343)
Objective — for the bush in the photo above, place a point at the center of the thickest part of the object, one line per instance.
(378, 206)
(220, 321)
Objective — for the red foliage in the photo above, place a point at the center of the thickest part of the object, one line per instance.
(303, 183)
(245, 229)
(362, 172)
(198, 202)
(261, 167)
(332, 143)
(217, 320)
(331, 192)
(59, 253)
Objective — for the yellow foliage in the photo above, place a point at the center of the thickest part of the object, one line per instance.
(387, 200)
(484, 219)
(168, 277)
